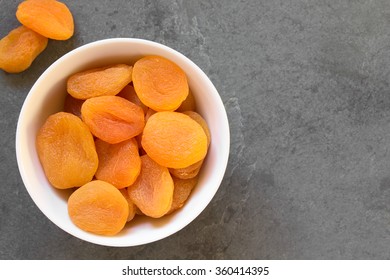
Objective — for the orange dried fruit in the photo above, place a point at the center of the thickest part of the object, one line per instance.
(202, 122)
(149, 113)
(119, 164)
(193, 170)
(113, 119)
(138, 212)
(73, 105)
(182, 190)
(187, 172)
(108, 80)
(19, 49)
(188, 104)
(49, 18)
(138, 138)
(128, 93)
(98, 207)
(159, 83)
(132, 207)
(174, 139)
(152, 192)
(66, 151)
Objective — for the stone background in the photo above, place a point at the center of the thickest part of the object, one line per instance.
(306, 88)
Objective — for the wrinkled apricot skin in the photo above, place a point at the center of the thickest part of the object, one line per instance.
(119, 164)
(98, 207)
(159, 83)
(138, 212)
(128, 93)
(149, 113)
(187, 172)
(49, 18)
(174, 139)
(182, 190)
(109, 80)
(152, 192)
(193, 170)
(20, 48)
(66, 151)
(202, 122)
(132, 207)
(113, 119)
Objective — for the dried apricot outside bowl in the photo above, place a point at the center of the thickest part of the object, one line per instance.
(47, 96)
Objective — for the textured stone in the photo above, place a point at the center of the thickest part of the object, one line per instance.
(306, 88)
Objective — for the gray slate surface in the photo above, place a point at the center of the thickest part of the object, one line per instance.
(306, 88)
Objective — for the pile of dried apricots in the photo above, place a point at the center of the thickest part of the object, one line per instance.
(41, 20)
(128, 141)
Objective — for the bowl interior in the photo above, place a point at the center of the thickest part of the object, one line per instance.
(47, 96)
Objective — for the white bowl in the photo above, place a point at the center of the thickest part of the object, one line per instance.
(47, 96)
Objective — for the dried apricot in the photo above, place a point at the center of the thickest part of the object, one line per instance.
(174, 139)
(188, 104)
(98, 207)
(119, 164)
(192, 170)
(49, 18)
(108, 80)
(138, 212)
(112, 118)
(138, 138)
(152, 192)
(128, 93)
(200, 120)
(149, 113)
(67, 151)
(182, 190)
(73, 105)
(19, 49)
(132, 207)
(159, 83)
(187, 172)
